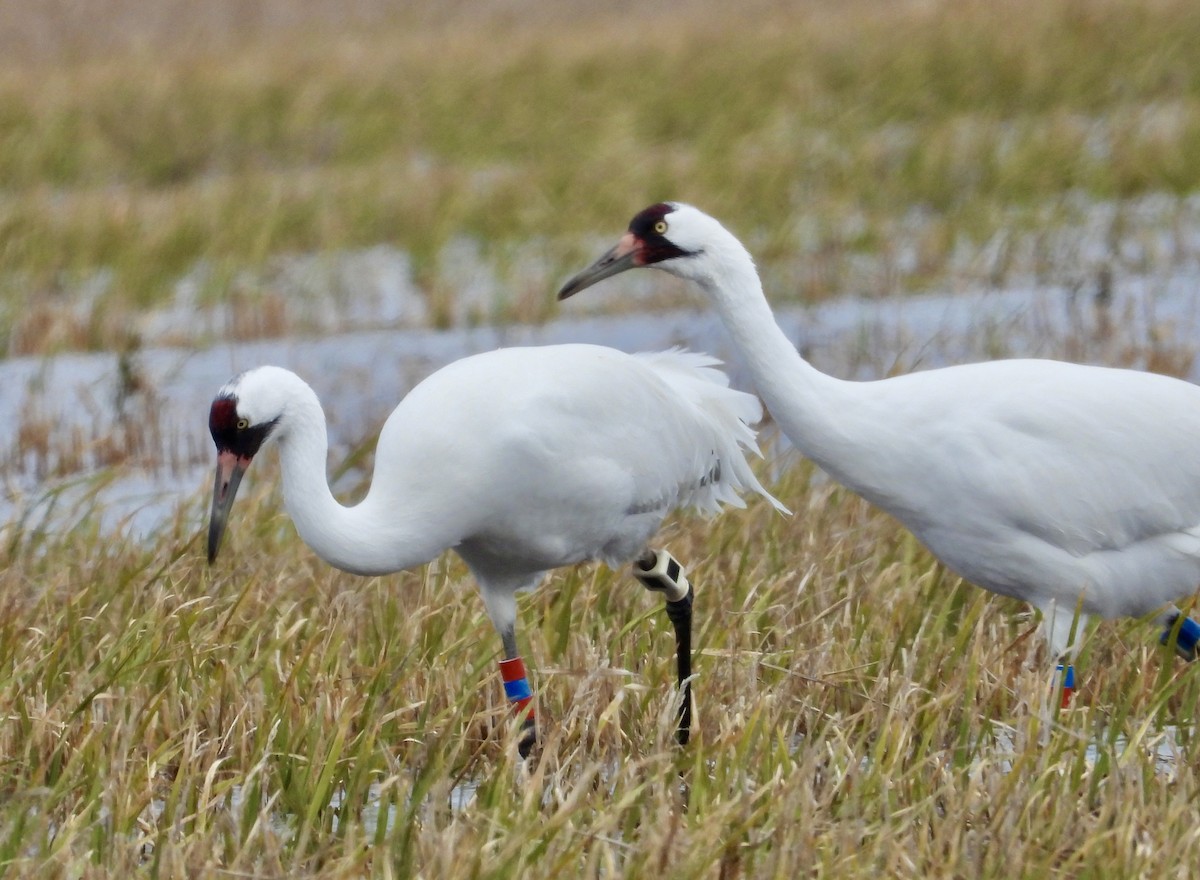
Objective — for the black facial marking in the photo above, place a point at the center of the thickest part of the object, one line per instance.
(643, 224)
(656, 247)
(223, 421)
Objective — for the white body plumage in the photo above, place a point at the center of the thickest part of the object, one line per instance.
(1050, 482)
(520, 460)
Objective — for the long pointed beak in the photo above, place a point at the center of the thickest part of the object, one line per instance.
(229, 476)
(623, 256)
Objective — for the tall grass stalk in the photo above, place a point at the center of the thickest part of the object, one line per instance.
(860, 711)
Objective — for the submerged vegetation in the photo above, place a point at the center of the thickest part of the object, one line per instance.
(860, 711)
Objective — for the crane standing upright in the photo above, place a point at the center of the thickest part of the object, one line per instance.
(1067, 486)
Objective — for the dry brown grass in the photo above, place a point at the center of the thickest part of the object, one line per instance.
(861, 713)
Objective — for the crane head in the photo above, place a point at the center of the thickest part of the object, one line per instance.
(668, 236)
(238, 438)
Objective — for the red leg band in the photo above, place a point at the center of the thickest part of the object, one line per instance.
(519, 706)
(512, 669)
(516, 685)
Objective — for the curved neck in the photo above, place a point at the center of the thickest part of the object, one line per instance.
(362, 539)
(814, 410)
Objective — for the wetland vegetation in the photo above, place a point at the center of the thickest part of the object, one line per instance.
(860, 711)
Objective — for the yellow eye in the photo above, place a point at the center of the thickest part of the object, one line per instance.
(660, 227)
(243, 424)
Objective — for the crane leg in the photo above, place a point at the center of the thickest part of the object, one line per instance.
(1064, 632)
(1065, 674)
(660, 572)
(1183, 633)
(518, 691)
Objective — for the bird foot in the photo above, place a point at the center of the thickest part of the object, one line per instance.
(1187, 639)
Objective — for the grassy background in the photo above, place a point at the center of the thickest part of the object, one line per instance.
(147, 142)
(861, 713)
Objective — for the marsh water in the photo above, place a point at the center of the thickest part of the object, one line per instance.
(123, 440)
(128, 434)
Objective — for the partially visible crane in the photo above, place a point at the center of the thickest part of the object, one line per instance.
(1063, 485)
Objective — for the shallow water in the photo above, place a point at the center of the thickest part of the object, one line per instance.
(158, 433)
(71, 441)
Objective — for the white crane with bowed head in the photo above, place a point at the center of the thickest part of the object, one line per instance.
(1059, 484)
(521, 460)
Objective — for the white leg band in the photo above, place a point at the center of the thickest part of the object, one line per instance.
(665, 576)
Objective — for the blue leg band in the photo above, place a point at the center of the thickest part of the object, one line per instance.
(1189, 636)
(1068, 677)
(518, 689)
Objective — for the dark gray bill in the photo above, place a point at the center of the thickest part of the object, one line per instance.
(229, 476)
(614, 262)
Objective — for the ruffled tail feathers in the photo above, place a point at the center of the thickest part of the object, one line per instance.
(730, 414)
